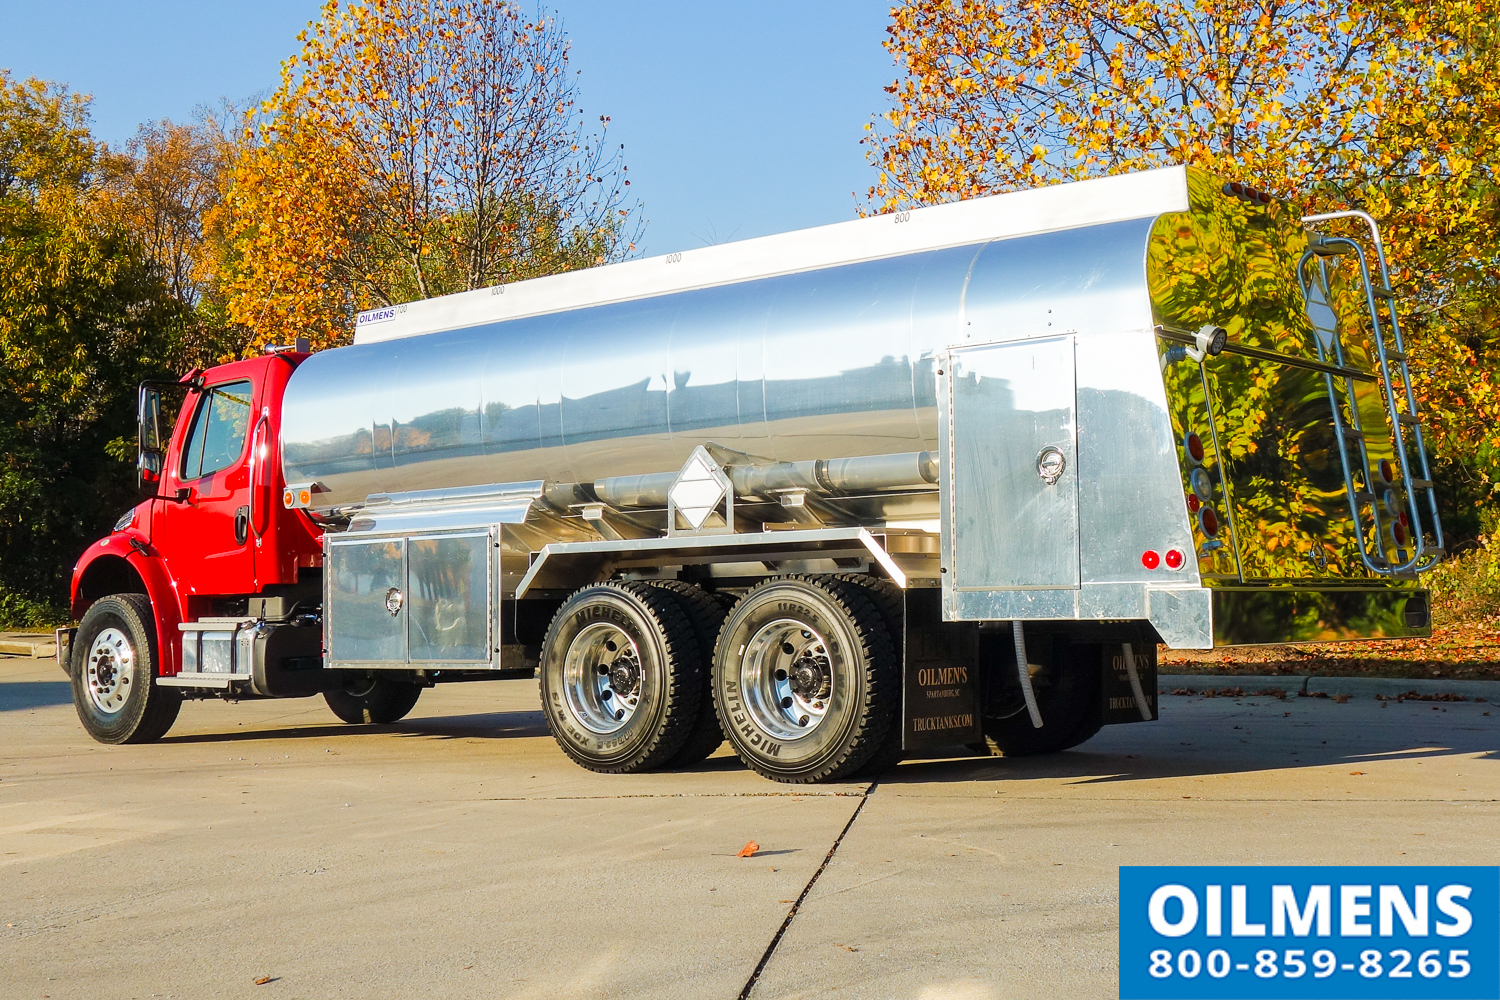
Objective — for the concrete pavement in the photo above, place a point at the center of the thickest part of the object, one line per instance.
(460, 854)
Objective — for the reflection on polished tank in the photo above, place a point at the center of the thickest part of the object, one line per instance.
(934, 478)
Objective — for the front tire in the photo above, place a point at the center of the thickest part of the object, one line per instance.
(806, 679)
(620, 677)
(114, 670)
(374, 700)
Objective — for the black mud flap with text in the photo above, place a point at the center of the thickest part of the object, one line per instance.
(940, 704)
(1118, 695)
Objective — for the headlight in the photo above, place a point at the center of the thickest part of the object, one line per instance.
(126, 520)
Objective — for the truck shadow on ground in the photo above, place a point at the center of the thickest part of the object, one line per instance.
(16, 696)
(1232, 744)
(489, 726)
(1205, 754)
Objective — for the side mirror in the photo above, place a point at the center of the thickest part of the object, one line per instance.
(150, 443)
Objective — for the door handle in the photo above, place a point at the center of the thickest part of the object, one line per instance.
(242, 524)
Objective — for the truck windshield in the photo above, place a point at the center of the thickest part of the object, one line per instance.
(219, 427)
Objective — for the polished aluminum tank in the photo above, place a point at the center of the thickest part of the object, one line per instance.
(829, 363)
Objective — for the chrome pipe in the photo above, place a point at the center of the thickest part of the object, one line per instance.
(819, 477)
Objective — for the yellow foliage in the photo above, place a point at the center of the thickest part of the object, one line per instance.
(414, 148)
(1389, 106)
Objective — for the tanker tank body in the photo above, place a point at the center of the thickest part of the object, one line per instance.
(940, 477)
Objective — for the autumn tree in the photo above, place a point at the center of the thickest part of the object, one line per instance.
(414, 149)
(84, 315)
(1391, 106)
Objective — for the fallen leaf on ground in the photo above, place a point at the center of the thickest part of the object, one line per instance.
(263, 980)
(845, 947)
(1356, 772)
(748, 851)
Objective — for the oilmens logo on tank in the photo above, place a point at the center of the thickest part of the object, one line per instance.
(1245, 933)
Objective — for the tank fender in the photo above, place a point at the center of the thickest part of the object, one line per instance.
(115, 560)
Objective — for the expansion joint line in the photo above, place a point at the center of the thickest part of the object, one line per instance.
(797, 905)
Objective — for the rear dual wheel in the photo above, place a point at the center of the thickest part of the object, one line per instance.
(1067, 690)
(621, 677)
(807, 680)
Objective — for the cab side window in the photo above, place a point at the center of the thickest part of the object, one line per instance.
(217, 437)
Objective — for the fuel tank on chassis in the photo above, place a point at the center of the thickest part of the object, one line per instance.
(835, 362)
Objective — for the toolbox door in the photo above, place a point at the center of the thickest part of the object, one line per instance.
(1012, 477)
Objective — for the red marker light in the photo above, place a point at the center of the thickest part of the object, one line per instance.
(1194, 503)
(1150, 559)
(1174, 559)
(1398, 532)
(1193, 445)
(1387, 471)
(1208, 520)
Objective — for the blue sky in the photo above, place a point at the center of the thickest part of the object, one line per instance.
(738, 118)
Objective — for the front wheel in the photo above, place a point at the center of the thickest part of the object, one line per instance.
(377, 700)
(114, 668)
(806, 679)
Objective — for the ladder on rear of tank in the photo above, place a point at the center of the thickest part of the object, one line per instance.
(1365, 484)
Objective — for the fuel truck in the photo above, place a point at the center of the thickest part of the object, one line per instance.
(935, 478)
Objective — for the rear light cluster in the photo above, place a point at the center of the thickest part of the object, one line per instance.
(1172, 559)
(1199, 501)
(1247, 193)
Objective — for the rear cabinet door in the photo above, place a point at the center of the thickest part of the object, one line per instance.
(1013, 467)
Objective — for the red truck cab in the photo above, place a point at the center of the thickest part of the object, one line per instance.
(211, 536)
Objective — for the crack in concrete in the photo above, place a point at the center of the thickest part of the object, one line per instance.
(668, 795)
(802, 897)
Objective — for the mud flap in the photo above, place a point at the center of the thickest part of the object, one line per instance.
(1119, 703)
(940, 704)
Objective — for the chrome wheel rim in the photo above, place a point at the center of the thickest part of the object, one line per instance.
(602, 678)
(787, 679)
(109, 671)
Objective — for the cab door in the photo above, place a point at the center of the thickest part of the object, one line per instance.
(203, 523)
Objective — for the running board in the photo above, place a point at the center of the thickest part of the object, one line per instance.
(191, 680)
